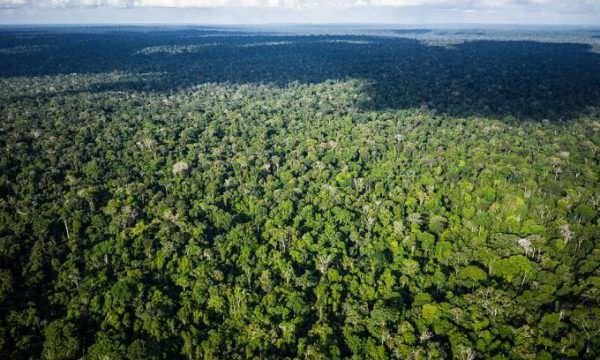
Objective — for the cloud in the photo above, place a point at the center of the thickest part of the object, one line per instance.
(575, 12)
(303, 4)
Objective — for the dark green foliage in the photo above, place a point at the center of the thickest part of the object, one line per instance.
(266, 221)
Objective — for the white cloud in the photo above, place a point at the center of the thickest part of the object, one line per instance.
(555, 6)
(13, 2)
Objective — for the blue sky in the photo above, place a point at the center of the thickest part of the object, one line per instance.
(583, 12)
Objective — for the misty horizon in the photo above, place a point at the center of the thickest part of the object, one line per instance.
(254, 12)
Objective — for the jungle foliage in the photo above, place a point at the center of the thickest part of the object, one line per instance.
(236, 195)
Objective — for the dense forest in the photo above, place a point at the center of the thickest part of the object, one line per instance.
(197, 193)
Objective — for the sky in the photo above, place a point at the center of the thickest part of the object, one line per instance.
(571, 12)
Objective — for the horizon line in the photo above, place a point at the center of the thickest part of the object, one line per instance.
(266, 23)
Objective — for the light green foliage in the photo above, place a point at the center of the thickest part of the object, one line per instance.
(430, 313)
(470, 276)
(511, 268)
(60, 341)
